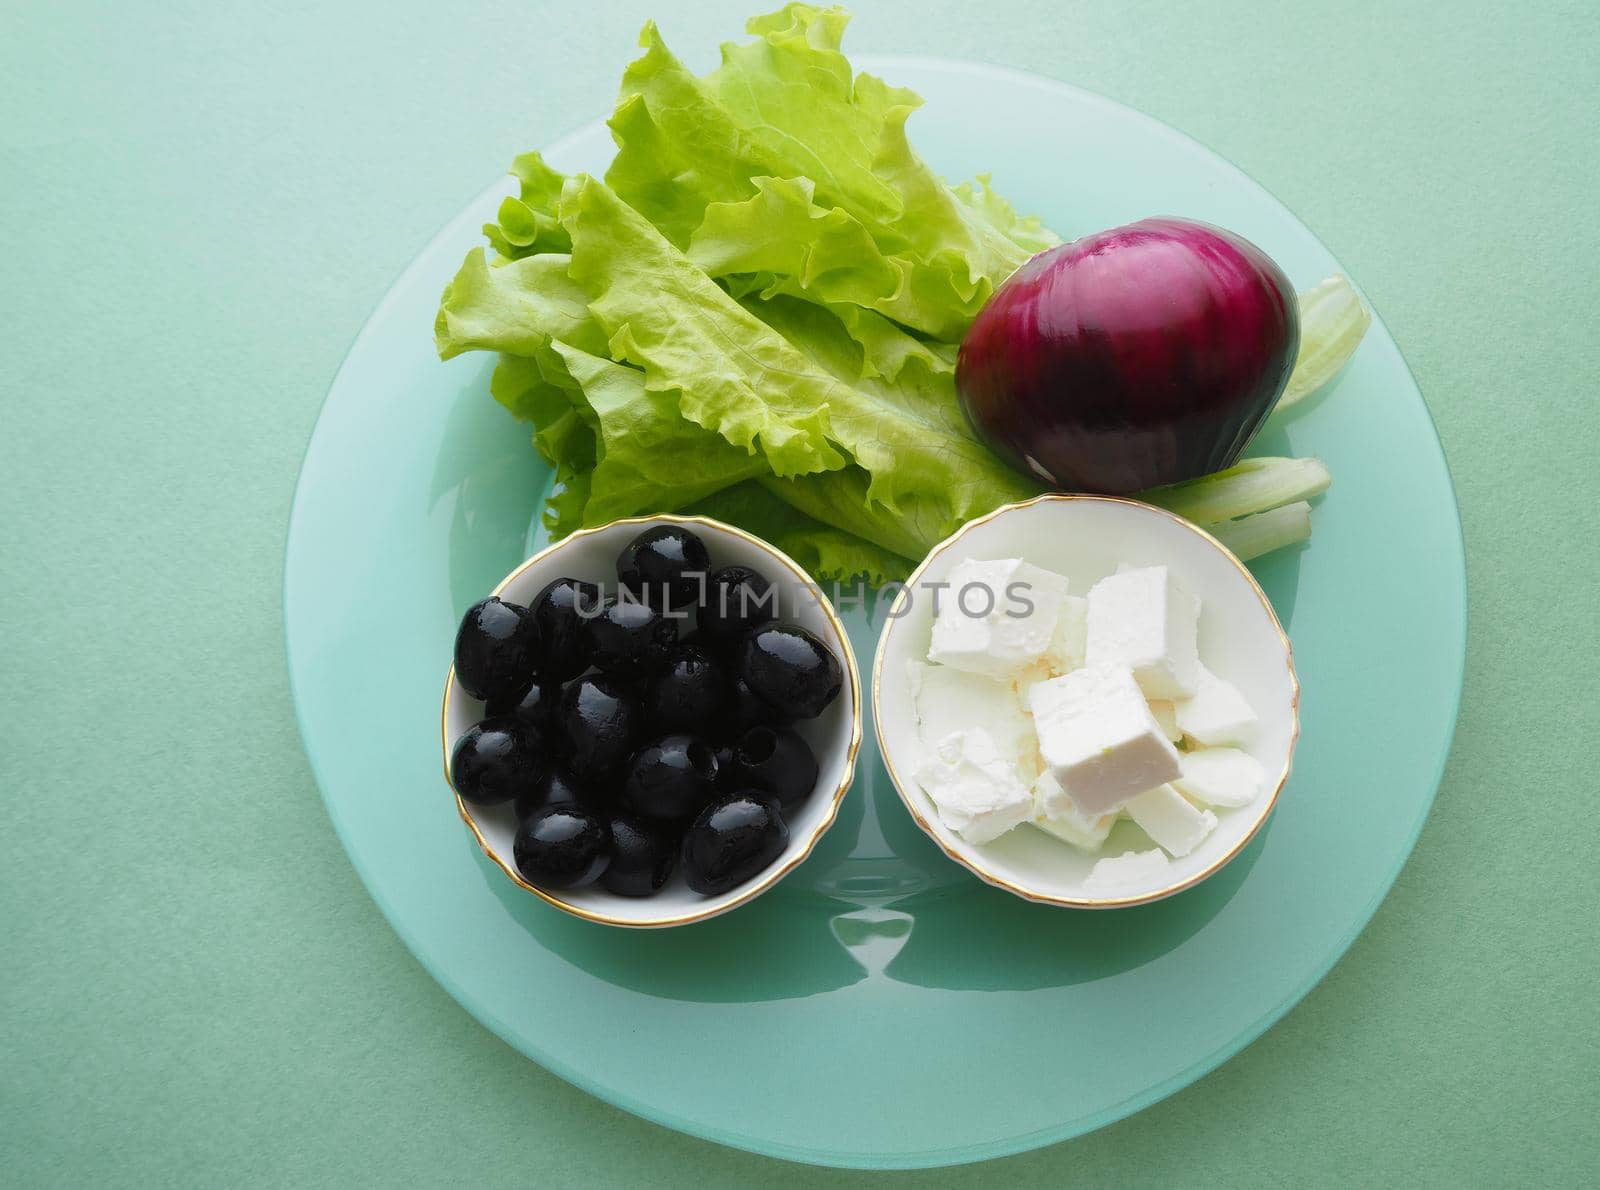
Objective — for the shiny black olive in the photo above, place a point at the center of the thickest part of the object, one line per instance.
(665, 566)
(671, 779)
(497, 648)
(745, 710)
(497, 760)
(628, 639)
(562, 847)
(776, 760)
(561, 611)
(689, 694)
(600, 722)
(737, 599)
(791, 669)
(535, 706)
(733, 839)
(559, 787)
(642, 858)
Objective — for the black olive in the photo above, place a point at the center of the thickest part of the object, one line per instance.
(665, 566)
(731, 841)
(776, 760)
(789, 668)
(562, 847)
(737, 599)
(559, 787)
(628, 639)
(600, 723)
(642, 858)
(535, 706)
(689, 694)
(671, 779)
(497, 648)
(497, 760)
(745, 710)
(561, 611)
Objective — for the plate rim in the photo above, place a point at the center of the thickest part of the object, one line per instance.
(960, 1154)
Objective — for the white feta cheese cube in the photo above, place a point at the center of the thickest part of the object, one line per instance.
(1169, 820)
(950, 700)
(1131, 867)
(1066, 650)
(1217, 714)
(1220, 777)
(1142, 619)
(1098, 738)
(1166, 714)
(976, 791)
(1060, 816)
(996, 618)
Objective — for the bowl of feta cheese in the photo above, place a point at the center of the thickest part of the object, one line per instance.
(1086, 700)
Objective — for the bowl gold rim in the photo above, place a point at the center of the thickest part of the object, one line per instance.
(971, 863)
(773, 875)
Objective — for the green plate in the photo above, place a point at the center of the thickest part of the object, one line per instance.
(880, 1007)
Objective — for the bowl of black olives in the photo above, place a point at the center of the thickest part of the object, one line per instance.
(652, 722)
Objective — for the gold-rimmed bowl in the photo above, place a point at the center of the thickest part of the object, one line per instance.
(835, 735)
(1085, 538)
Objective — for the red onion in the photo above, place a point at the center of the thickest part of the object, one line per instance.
(1138, 356)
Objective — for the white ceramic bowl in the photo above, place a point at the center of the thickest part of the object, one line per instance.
(1084, 538)
(835, 735)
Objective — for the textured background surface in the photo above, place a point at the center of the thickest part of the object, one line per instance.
(199, 205)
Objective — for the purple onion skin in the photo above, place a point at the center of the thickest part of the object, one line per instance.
(1143, 355)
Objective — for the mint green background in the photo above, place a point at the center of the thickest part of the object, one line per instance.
(198, 208)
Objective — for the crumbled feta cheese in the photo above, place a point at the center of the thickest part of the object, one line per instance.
(976, 791)
(1217, 714)
(1030, 764)
(1039, 671)
(1220, 777)
(1142, 619)
(1169, 820)
(1066, 649)
(949, 700)
(1131, 867)
(1166, 714)
(997, 617)
(1097, 736)
(1060, 816)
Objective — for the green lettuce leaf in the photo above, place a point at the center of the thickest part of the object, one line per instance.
(910, 430)
(647, 380)
(647, 459)
(619, 448)
(827, 552)
(788, 384)
(730, 373)
(784, 131)
(517, 306)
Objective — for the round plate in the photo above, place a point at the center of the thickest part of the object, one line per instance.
(881, 1007)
